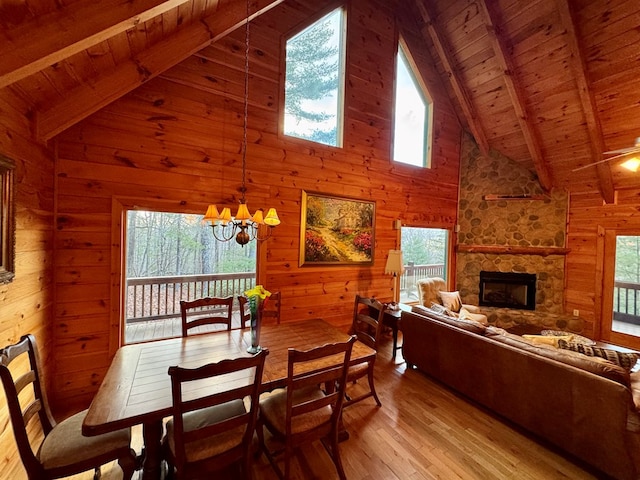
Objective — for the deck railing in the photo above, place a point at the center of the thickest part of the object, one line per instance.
(626, 302)
(156, 298)
(413, 273)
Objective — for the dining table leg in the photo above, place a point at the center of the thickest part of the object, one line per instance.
(152, 435)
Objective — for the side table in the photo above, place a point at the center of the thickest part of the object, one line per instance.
(390, 319)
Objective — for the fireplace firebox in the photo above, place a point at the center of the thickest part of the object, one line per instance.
(508, 290)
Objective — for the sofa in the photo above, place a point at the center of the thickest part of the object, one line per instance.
(583, 405)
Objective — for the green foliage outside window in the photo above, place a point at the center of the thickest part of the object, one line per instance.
(169, 244)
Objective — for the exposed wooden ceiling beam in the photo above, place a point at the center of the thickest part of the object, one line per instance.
(515, 92)
(587, 99)
(442, 48)
(91, 97)
(45, 41)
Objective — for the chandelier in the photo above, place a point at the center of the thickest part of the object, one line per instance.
(244, 227)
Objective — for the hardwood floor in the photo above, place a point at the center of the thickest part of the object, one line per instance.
(422, 431)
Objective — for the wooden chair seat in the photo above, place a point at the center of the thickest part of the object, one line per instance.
(357, 371)
(65, 444)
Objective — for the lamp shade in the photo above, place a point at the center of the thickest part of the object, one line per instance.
(212, 214)
(272, 218)
(258, 217)
(225, 216)
(243, 212)
(395, 264)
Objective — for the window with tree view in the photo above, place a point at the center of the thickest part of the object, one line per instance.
(172, 257)
(425, 253)
(313, 83)
(413, 114)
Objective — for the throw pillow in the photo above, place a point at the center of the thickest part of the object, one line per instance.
(442, 310)
(451, 300)
(476, 317)
(553, 340)
(624, 359)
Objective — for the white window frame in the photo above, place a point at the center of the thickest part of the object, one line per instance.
(341, 76)
(403, 49)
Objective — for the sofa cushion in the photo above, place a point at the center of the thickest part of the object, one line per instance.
(468, 325)
(465, 314)
(624, 359)
(598, 366)
(451, 300)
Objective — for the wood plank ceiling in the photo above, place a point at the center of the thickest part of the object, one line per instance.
(551, 84)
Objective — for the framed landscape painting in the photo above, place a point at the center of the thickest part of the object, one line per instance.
(336, 230)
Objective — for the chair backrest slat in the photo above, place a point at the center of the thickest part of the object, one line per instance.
(206, 311)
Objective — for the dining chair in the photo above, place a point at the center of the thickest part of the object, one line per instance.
(211, 431)
(272, 307)
(64, 451)
(245, 313)
(367, 326)
(206, 311)
(303, 412)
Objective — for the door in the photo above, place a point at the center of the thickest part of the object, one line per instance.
(426, 254)
(621, 288)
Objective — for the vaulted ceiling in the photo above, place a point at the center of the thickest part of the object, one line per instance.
(551, 84)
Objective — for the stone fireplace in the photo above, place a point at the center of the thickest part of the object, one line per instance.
(508, 224)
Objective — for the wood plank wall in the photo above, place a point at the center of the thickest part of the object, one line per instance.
(174, 143)
(26, 304)
(587, 217)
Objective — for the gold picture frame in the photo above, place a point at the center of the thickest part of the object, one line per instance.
(336, 230)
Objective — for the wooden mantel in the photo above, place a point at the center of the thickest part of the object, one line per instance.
(512, 250)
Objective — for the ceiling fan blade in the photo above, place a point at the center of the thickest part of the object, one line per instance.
(623, 151)
(604, 160)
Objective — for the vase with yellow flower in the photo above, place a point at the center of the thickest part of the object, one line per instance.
(257, 297)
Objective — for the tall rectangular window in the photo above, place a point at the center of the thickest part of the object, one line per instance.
(425, 253)
(314, 81)
(413, 114)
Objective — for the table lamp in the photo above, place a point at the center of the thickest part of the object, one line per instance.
(395, 267)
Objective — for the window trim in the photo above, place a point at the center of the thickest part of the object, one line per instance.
(7, 221)
(341, 77)
(403, 47)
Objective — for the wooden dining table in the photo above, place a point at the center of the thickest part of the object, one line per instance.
(137, 388)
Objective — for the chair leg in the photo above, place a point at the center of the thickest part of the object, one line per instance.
(288, 453)
(128, 464)
(263, 448)
(372, 386)
(335, 454)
